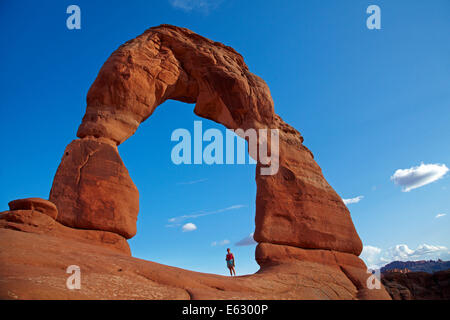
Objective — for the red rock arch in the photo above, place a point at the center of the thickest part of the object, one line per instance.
(92, 189)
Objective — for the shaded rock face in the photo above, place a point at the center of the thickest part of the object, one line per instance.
(308, 246)
(348, 265)
(295, 207)
(417, 285)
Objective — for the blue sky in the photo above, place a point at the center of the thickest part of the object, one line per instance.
(368, 103)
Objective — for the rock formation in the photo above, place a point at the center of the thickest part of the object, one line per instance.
(417, 285)
(429, 266)
(37, 204)
(93, 190)
(296, 209)
(34, 215)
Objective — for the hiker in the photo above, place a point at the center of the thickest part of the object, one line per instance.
(230, 262)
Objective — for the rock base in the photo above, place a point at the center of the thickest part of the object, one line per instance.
(35, 253)
(32, 221)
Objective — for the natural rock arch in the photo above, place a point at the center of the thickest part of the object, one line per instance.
(92, 188)
(308, 247)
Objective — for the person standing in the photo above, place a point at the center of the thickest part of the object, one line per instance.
(230, 262)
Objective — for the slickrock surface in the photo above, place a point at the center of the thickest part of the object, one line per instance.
(38, 204)
(308, 246)
(33, 266)
(35, 222)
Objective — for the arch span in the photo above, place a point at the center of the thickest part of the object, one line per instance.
(296, 207)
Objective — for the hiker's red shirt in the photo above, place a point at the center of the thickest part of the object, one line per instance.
(230, 256)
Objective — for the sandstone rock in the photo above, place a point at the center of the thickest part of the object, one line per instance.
(33, 221)
(37, 264)
(349, 265)
(93, 190)
(38, 204)
(308, 244)
(295, 207)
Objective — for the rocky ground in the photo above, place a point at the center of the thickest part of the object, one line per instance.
(35, 254)
(417, 285)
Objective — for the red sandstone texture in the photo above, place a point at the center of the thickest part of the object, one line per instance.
(33, 266)
(37, 204)
(32, 221)
(308, 246)
(93, 190)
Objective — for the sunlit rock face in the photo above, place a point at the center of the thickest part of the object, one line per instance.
(94, 190)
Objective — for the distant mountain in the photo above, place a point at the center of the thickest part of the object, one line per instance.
(429, 266)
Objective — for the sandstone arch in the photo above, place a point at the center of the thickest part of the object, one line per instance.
(92, 189)
(308, 247)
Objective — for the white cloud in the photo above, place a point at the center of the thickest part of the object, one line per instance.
(220, 243)
(353, 200)
(425, 249)
(192, 182)
(416, 177)
(440, 215)
(376, 257)
(400, 252)
(201, 5)
(247, 241)
(173, 225)
(189, 227)
(204, 213)
(370, 255)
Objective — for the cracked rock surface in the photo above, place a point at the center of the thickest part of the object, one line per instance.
(94, 190)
